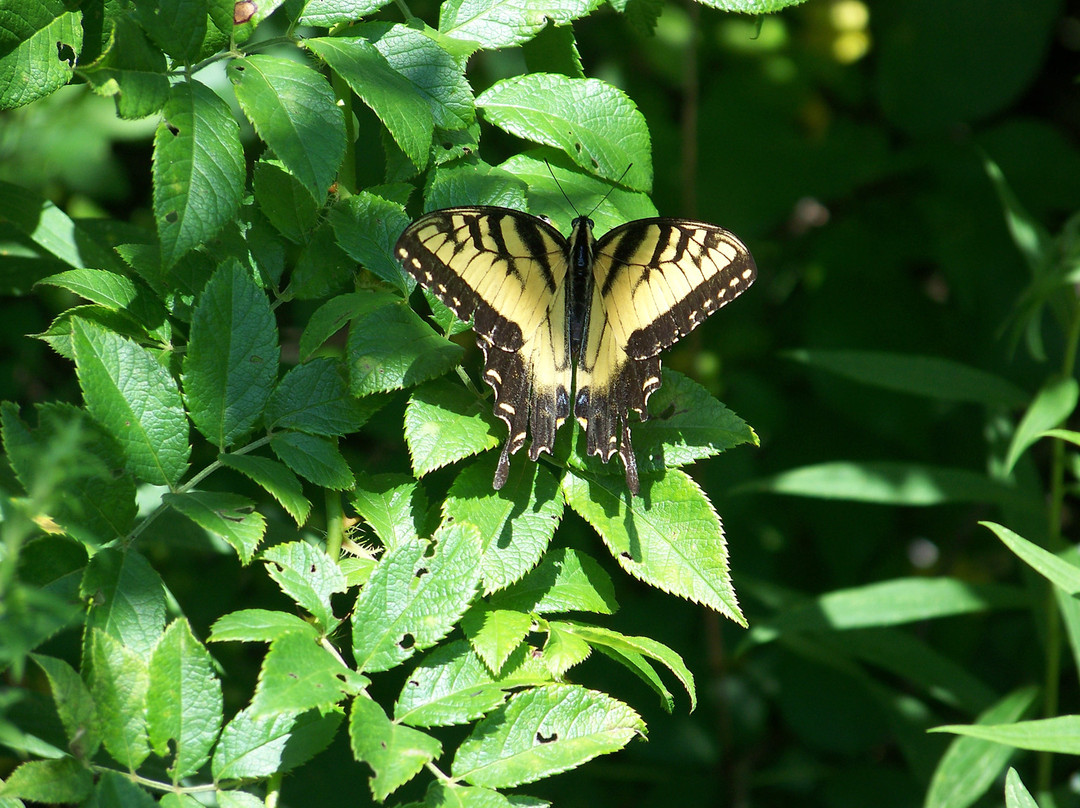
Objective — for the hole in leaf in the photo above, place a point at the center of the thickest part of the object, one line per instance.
(447, 145)
(421, 572)
(577, 146)
(65, 53)
(172, 129)
(594, 163)
(407, 642)
(171, 217)
(243, 11)
(541, 738)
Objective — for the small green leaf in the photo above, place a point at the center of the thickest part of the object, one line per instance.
(495, 633)
(566, 580)
(128, 391)
(970, 766)
(199, 170)
(1060, 734)
(116, 789)
(231, 364)
(542, 732)
(131, 70)
(176, 26)
(393, 505)
(327, 320)
(119, 679)
(314, 458)
(390, 347)
(41, 43)
(230, 516)
(929, 376)
(63, 780)
(391, 96)
(367, 228)
(395, 753)
(645, 646)
(328, 13)
(314, 398)
(1056, 570)
(560, 111)
(254, 747)
(517, 522)
(127, 600)
(1028, 234)
(444, 423)
(1051, 406)
(670, 536)
(184, 702)
(258, 625)
(300, 675)
(276, 478)
(888, 483)
(293, 109)
(307, 575)
(1016, 795)
(415, 597)
(74, 705)
(284, 200)
(563, 650)
(501, 23)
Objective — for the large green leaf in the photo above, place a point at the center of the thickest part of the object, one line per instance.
(501, 23)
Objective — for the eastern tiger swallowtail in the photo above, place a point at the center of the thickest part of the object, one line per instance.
(554, 315)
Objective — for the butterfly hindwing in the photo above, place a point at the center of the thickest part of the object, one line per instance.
(506, 271)
(654, 281)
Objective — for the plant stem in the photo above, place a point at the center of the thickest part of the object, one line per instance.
(335, 523)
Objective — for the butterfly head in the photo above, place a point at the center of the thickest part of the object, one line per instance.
(581, 243)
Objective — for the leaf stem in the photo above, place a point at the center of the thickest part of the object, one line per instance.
(335, 523)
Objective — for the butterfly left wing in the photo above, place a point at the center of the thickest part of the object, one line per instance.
(503, 269)
(654, 281)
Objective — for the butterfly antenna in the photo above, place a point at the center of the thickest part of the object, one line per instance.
(559, 186)
(603, 199)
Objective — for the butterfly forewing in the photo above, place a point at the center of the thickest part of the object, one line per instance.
(506, 271)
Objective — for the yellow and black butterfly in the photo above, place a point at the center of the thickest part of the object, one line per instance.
(588, 315)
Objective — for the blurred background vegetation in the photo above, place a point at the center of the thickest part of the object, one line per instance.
(846, 144)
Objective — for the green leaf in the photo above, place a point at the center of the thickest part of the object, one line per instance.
(891, 603)
(395, 753)
(1056, 570)
(554, 50)
(176, 26)
(755, 7)
(115, 292)
(327, 320)
(284, 200)
(64, 780)
(74, 705)
(687, 424)
(1051, 406)
(307, 575)
(40, 44)
(595, 124)
(328, 13)
(473, 184)
(199, 170)
(1060, 734)
(230, 516)
(183, 706)
(119, 679)
(259, 625)
(393, 505)
(276, 479)
(970, 766)
(231, 363)
(622, 644)
(257, 747)
(390, 95)
(114, 789)
(300, 675)
(1028, 234)
(495, 633)
(451, 685)
(888, 483)
(127, 598)
(496, 24)
(517, 522)
(542, 732)
(1016, 795)
(130, 70)
(415, 597)
(929, 376)
(314, 398)
(670, 537)
(293, 109)
(566, 580)
(444, 423)
(314, 458)
(367, 228)
(435, 74)
(134, 398)
(390, 347)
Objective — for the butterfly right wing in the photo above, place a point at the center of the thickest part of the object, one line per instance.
(505, 270)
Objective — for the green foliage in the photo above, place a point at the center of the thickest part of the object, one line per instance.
(258, 381)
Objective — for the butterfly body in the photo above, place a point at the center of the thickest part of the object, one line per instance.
(579, 320)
